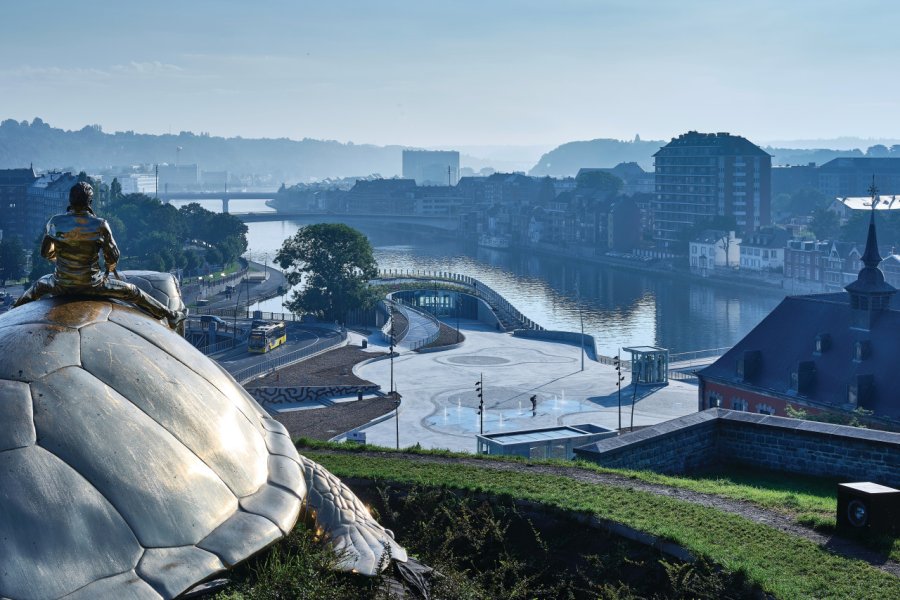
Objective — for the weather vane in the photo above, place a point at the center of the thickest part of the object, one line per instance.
(873, 191)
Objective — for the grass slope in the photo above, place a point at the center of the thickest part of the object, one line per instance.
(781, 564)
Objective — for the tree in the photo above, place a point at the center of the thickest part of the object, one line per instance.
(825, 224)
(12, 259)
(805, 201)
(334, 263)
(599, 181)
(115, 189)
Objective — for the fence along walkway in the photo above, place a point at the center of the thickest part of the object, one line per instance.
(423, 328)
(509, 315)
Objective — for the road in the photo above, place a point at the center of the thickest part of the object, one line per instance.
(299, 336)
(420, 328)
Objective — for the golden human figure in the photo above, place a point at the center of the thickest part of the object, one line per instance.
(74, 241)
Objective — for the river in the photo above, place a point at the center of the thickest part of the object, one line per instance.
(619, 308)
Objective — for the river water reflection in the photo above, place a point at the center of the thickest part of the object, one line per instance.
(619, 308)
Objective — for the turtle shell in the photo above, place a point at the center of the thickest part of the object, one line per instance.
(131, 466)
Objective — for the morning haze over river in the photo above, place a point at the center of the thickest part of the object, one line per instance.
(620, 308)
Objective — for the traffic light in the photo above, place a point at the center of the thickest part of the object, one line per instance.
(534, 406)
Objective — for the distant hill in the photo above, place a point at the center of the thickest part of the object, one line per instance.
(89, 148)
(565, 160)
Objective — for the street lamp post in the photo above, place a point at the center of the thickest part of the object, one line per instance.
(479, 391)
(617, 361)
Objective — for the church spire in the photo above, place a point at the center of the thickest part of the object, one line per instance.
(871, 258)
(870, 293)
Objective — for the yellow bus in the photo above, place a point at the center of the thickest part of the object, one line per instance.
(267, 337)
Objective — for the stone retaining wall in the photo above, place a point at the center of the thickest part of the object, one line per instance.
(717, 437)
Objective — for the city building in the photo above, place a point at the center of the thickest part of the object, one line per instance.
(215, 181)
(382, 196)
(138, 183)
(832, 352)
(763, 250)
(793, 178)
(14, 185)
(47, 196)
(431, 167)
(714, 249)
(701, 176)
(178, 178)
(852, 176)
(804, 260)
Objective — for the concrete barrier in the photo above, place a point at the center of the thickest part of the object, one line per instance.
(566, 337)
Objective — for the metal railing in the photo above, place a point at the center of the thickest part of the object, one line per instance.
(690, 357)
(285, 360)
(219, 346)
(506, 311)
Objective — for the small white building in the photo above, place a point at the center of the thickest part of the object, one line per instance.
(714, 249)
(763, 250)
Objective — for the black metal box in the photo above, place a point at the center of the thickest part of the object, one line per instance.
(870, 507)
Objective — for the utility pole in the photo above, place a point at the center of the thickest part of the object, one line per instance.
(633, 399)
(479, 391)
(582, 339)
(617, 361)
(157, 180)
(449, 176)
(581, 316)
(458, 298)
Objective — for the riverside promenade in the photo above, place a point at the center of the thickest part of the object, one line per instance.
(439, 407)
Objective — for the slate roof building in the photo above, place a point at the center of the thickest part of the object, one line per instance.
(763, 250)
(823, 353)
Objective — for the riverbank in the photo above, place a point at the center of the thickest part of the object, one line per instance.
(663, 267)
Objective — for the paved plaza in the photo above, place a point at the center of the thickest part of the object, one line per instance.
(439, 407)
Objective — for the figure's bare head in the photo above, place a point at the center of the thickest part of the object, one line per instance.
(80, 196)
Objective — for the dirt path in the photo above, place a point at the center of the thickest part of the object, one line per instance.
(782, 522)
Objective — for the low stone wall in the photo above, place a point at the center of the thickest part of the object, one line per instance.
(717, 437)
(567, 337)
(295, 395)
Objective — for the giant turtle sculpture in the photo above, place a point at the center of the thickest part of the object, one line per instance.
(131, 466)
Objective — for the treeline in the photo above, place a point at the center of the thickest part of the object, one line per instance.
(283, 159)
(156, 236)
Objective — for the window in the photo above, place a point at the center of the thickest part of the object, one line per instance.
(739, 404)
(765, 409)
(714, 400)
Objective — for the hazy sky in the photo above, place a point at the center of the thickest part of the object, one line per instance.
(431, 73)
